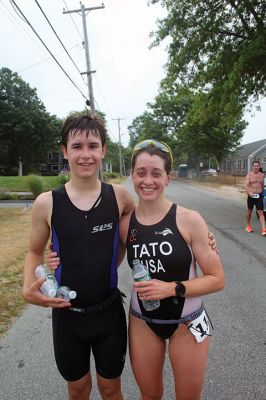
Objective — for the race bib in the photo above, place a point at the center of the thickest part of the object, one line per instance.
(255, 196)
(200, 327)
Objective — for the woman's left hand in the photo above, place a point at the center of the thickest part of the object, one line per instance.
(154, 289)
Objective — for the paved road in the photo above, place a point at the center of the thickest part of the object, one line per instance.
(236, 367)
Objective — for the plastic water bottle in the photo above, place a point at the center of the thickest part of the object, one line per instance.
(49, 286)
(66, 293)
(141, 273)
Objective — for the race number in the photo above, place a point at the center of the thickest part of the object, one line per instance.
(200, 327)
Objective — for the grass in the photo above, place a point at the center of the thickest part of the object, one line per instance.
(20, 184)
(15, 228)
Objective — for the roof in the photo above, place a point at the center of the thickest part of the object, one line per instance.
(249, 148)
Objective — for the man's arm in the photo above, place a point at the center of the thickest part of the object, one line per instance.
(124, 200)
(247, 186)
(40, 232)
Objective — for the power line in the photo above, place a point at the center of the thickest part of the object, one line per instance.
(73, 21)
(27, 21)
(45, 16)
(20, 28)
(46, 59)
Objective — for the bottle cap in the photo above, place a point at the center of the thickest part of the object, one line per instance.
(52, 293)
(72, 294)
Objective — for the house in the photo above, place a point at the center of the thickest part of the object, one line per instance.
(56, 164)
(239, 163)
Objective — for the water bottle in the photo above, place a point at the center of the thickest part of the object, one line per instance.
(141, 273)
(66, 293)
(49, 286)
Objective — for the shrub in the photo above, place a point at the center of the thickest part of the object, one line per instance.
(35, 184)
(110, 175)
(63, 178)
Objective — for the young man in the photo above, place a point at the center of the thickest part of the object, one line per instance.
(83, 218)
(254, 189)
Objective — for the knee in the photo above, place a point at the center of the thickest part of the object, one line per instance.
(152, 396)
(79, 391)
(110, 389)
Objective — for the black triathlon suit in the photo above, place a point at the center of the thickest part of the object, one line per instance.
(258, 202)
(87, 244)
(169, 258)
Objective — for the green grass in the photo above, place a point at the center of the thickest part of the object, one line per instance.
(20, 184)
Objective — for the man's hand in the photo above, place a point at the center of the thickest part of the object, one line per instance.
(34, 295)
(212, 242)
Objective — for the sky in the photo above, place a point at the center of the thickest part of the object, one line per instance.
(127, 73)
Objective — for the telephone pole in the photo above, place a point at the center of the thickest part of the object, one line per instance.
(89, 72)
(120, 145)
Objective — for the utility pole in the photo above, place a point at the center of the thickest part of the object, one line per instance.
(120, 145)
(89, 72)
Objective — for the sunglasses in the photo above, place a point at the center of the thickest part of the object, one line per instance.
(161, 146)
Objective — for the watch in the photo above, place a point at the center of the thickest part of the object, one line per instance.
(180, 289)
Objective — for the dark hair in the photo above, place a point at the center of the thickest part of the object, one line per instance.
(153, 151)
(255, 162)
(90, 124)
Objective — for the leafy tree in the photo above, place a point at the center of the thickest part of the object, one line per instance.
(210, 134)
(27, 131)
(217, 43)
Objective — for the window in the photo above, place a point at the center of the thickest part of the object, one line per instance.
(55, 168)
(43, 167)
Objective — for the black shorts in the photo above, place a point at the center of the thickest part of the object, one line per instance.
(255, 202)
(103, 332)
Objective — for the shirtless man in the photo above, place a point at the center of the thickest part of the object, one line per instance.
(82, 217)
(254, 189)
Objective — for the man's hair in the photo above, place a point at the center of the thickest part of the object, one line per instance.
(255, 162)
(89, 124)
(153, 151)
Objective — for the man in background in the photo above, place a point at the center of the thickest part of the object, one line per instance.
(254, 189)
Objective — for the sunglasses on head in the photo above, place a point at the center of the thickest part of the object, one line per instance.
(161, 146)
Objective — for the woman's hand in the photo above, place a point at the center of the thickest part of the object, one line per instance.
(154, 289)
(52, 260)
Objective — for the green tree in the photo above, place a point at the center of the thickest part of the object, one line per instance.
(27, 131)
(216, 43)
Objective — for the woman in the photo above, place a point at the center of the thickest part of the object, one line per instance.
(169, 239)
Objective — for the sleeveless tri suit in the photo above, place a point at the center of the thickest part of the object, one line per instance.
(169, 258)
(87, 244)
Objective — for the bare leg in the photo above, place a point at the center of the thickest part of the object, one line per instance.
(147, 353)
(110, 389)
(248, 216)
(80, 389)
(262, 219)
(188, 359)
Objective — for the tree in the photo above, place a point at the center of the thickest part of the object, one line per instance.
(27, 131)
(195, 124)
(217, 44)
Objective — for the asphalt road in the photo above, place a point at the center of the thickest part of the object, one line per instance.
(237, 359)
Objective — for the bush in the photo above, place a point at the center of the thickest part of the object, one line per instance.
(110, 175)
(8, 196)
(63, 178)
(35, 184)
